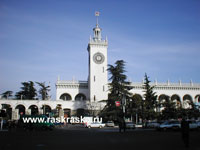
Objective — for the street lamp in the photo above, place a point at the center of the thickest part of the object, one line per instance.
(124, 106)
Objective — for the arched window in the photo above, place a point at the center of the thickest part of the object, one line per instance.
(163, 97)
(197, 98)
(187, 101)
(34, 109)
(46, 109)
(80, 96)
(21, 109)
(176, 99)
(66, 97)
(187, 97)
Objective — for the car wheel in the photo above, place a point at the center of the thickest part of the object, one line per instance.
(89, 126)
(164, 129)
(100, 126)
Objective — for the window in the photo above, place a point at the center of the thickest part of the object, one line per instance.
(94, 78)
(103, 88)
(103, 69)
(94, 97)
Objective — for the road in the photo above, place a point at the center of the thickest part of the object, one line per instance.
(105, 138)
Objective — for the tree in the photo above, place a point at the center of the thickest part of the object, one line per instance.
(134, 107)
(169, 111)
(43, 91)
(28, 91)
(118, 88)
(150, 100)
(7, 94)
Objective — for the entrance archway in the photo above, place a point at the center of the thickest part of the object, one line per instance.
(46, 109)
(34, 110)
(21, 109)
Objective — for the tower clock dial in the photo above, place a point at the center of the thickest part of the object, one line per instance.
(98, 58)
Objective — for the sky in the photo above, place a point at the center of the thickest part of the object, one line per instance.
(41, 40)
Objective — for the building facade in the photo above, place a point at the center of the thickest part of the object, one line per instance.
(74, 97)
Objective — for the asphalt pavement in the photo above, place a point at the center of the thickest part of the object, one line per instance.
(78, 137)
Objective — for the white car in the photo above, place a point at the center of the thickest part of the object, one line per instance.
(170, 125)
(95, 125)
(193, 124)
(198, 124)
(110, 124)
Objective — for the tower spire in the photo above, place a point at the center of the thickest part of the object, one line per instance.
(97, 15)
(97, 30)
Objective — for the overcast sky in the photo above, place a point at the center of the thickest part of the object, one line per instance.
(41, 39)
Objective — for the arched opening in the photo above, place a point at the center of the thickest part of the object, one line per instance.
(46, 109)
(8, 110)
(34, 109)
(137, 97)
(197, 99)
(134, 108)
(163, 98)
(67, 112)
(187, 101)
(21, 109)
(176, 99)
(80, 96)
(80, 112)
(66, 97)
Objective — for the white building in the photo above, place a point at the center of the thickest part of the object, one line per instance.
(77, 96)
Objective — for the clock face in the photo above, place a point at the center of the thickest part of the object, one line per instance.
(98, 58)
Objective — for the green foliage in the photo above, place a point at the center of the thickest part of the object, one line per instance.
(43, 91)
(150, 100)
(134, 106)
(169, 111)
(28, 91)
(118, 86)
(7, 94)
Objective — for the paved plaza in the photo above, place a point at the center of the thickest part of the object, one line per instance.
(106, 138)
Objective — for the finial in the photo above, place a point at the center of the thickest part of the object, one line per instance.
(168, 82)
(179, 81)
(156, 81)
(142, 80)
(191, 83)
(97, 15)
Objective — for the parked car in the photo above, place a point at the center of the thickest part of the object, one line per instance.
(130, 125)
(152, 124)
(193, 124)
(175, 125)
(110, 124)
(94, 125)
(198, 124)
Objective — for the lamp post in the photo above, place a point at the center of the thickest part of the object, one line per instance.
(124, 106)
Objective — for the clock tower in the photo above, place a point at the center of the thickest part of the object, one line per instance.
(98, 76)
